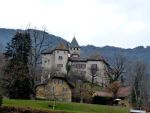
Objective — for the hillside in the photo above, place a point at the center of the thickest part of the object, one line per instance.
(61, 107)
(7, 34)
(137, 53)
(106, 51)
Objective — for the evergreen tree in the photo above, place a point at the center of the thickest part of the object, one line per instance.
(18, 82)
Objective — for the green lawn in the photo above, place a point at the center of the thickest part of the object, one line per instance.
(65, 106)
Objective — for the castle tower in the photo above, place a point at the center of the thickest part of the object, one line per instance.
(55, 59)
(74, 48)
(60, 57)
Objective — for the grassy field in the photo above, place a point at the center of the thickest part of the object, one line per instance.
(65, 106)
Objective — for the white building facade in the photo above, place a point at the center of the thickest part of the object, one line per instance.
(61, 56)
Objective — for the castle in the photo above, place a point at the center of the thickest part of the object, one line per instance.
(61, 56)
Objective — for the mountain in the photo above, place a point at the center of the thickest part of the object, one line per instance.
(137, 53)
(7, 34)
(107, 52)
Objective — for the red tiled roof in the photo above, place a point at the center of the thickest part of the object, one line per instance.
(124, 91)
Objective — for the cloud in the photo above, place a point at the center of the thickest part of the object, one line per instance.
(134, 28)
(97, 22)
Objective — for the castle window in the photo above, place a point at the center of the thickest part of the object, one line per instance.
(57, 51)
(94, 66)
(77, 48)
(59, 65)
(74, 48)
(93, 69)
(80, 66)
(60, 58)
(64, 52)
(45, 61)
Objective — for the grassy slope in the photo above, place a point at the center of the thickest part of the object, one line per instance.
(65, 106)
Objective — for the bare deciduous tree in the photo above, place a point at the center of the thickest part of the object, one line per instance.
(117, 69)
(78, 80)
(139, 82)
(39, 44)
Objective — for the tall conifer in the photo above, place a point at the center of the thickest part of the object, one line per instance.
(17, 71)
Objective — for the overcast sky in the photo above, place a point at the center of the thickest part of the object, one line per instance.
(120, 23)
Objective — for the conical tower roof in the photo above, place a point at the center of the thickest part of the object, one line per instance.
(74, 43)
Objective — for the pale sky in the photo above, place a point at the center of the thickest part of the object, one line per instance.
(120, 23)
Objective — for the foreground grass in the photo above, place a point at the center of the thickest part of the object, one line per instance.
(65, 106)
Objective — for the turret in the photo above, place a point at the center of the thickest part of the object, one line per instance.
(74, 48)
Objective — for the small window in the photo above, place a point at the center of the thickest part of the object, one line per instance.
(45, 61)
(59, 65)
(66, 89)
(62, 82)
(74, 48)
(64, 52)
(60, 57)
(93, 69)
(94, 66)
(77, 48)
(57, 51)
